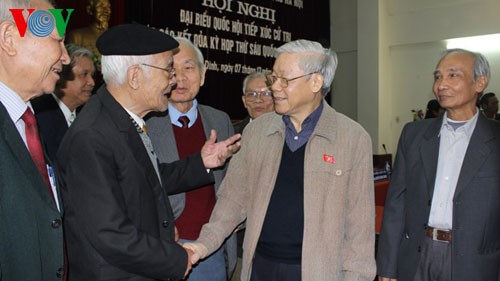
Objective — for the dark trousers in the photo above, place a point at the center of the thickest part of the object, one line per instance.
(435, 261)
(268, 270)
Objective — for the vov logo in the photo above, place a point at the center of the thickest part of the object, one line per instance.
(41, 23)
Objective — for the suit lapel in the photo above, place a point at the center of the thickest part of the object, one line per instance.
(21, 155)
(208, 125)
(429, 153)
(167, 135)
(477, 152)
(122, 120)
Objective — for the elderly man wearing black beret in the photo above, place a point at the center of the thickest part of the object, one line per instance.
(119, 224)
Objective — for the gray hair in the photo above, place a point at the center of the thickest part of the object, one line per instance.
(252, 76)
(74, 51)
(114, 68)
(314, 58)
(5, 5)
(199, 54)
(481, 65)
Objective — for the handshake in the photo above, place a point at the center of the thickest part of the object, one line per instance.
(195, 251)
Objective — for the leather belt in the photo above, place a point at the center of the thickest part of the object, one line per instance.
(438, 234)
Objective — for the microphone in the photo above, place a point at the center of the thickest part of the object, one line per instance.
(388, 168)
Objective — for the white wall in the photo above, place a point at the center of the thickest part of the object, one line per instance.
(344, 43)
(388, 50)
(410, 41)
(416, 33)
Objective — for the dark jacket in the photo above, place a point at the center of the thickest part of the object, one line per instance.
(119, 222)
(476, 204)
(51, 123)
(239, 126)
(31, 235)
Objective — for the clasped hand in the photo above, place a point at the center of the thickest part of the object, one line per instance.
(195, 251)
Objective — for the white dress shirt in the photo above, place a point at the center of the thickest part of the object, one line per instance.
(454, 140)
(68, 114)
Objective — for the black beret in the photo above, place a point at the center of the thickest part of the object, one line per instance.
(134, 40)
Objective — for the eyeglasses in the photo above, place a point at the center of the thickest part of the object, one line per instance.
(252, 96)
(283, 82)
(170, 70)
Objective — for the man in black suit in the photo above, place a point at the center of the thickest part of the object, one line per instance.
(31, 234)
(442, 212)
(257, 99)
(55, 112)
(119, 221)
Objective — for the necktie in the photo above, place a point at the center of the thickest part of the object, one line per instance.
(35, 146)
(184, 121)
(142, 130)
(72, 117)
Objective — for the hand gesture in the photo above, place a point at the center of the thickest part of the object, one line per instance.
(198, 249)
(215, 154)
(190, 254)
(176, 234)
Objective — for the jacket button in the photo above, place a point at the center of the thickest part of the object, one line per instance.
(59, 273)
(419, 249)
(56, 223)
(165, 223)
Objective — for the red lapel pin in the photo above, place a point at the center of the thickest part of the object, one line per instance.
(328, 158)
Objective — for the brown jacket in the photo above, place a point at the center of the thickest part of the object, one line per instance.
(338, 197)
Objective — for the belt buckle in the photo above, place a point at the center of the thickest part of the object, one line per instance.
(435, 236)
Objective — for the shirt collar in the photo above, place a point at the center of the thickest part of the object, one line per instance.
(13, 103)
(468, 127)
(64, 108)
(174, 114)
(136, 118)
(308, 124)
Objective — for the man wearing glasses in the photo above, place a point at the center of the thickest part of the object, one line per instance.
(180, 132)
(303, 181)
(119, 224)
(257, 99)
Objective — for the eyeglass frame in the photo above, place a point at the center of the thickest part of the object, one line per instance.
(257, 94)
(169, 70)
(269, 81)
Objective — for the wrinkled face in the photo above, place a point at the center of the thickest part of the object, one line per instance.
(188, 74)
(454, 84)
(298, 98)
(157, 83)
(79, 89)
(40, 58)
(492, 106)
(260, 105)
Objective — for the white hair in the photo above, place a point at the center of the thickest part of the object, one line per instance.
(250, 77)
(114, 68)
(199, 54)
(313, 58)
(5, 5)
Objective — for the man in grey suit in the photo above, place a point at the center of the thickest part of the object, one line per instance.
(31, 234)
(442, 213)
(182, 132)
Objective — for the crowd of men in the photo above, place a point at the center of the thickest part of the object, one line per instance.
(135, 183)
